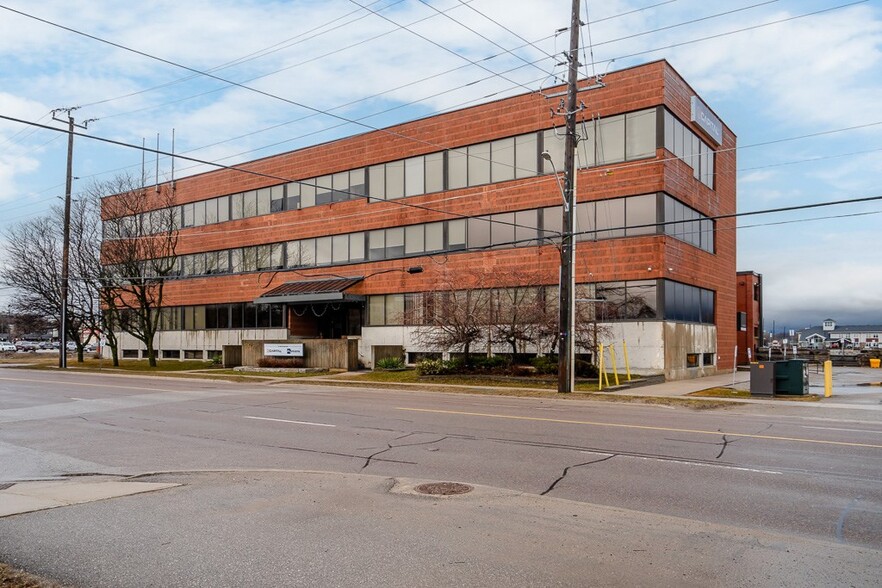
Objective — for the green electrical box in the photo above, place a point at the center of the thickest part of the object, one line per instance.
(791, 377)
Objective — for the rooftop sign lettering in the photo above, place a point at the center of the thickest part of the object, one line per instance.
(704, 118)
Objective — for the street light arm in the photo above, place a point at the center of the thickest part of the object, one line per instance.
(547, 157)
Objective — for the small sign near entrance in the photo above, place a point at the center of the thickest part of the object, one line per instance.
(283, 349)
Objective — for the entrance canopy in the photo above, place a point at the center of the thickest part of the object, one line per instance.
(309, 291)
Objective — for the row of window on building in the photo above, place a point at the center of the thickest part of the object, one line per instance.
(241, 315)
(624, 137)
(631, 216)
(614, 301)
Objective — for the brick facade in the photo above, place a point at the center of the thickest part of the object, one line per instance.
(750, 302)
(633, 258)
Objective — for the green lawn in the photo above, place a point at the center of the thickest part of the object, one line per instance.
(412, 377)
(90, 363)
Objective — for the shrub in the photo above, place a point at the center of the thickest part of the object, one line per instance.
(585, 369)
(545, 364)
(492, 363)
(280, 362)
(433, 367)
(390, 363)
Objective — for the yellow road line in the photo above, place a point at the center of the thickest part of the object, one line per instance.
(643, 427)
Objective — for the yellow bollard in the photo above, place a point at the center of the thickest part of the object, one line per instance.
(627, 364)
(600, 369)
(828, 379)
(612, 358)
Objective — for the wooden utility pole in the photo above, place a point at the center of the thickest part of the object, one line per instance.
(566, 351)
(65, 251)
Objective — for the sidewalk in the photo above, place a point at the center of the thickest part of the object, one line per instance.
(852, 387)
(296, 528)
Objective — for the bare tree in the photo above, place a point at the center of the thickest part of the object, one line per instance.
(138, 256)
(588, 319)
(516, 315)
(26, 323)
(33, 268)
(85, 260)
(454, 318)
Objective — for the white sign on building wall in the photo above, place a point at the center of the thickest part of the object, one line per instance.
(704, 118)
(283, 349)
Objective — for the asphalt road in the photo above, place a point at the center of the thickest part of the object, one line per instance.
(808, 475)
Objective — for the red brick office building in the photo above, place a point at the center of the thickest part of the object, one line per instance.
(303, 250)
(749, 323)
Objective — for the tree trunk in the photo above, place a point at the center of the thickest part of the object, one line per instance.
(151, 354)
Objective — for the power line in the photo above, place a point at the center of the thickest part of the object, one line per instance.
(686, 22)
(656, 5)
(440, 46)
(290, 67)
(243, 86)
(505, 28)
(239, 169)
(489, 40)
(343, 118)
(728, 33)
(544, 241)
(362, 118)
(462, 2)
(611, 60)
(809, 159)
(287, 43)
(444, 198)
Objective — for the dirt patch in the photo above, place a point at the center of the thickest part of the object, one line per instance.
(14, 578)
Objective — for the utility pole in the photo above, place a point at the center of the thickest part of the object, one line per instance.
(65, 251)
(566, 351)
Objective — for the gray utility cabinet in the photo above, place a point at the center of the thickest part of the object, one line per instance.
(762, 378)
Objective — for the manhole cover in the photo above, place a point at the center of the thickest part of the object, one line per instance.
(443, 488)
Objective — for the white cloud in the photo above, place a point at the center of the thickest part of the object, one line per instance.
(794, 78)
(756, 176)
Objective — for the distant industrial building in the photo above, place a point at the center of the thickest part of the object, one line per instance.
(830, 335)
(749, 322)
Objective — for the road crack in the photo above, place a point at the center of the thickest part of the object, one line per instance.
(568, 468)
(390, 447)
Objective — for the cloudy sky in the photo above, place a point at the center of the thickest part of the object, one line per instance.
(800, 83)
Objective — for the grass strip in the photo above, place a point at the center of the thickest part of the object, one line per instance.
(731, 393)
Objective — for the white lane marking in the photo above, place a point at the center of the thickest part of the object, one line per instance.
(691, 463)
(839, 429)
(705, 465)
(292, 422)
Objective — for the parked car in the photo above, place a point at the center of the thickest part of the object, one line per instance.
(7, 346)
(26, 346)
(71, 346)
